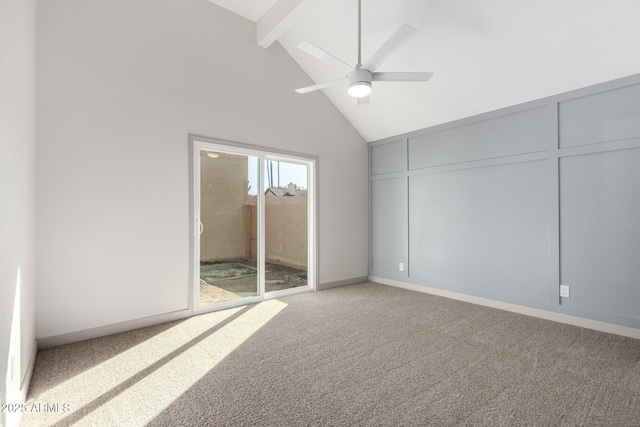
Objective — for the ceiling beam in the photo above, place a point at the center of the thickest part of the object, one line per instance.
(277, 20)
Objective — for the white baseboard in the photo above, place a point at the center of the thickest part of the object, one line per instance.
(101, 331)
(515, 308)
(352, 281)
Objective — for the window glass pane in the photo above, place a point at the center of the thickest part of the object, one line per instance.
(228, 214)
(286, 206)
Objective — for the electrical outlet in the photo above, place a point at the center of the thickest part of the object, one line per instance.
(564, 291)
(401, 266)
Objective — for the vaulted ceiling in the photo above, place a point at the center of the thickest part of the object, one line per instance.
(486, 54)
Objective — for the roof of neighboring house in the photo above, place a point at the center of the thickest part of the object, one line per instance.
(285, 192)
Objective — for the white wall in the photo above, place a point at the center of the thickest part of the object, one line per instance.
(17, 207)
(120, 86)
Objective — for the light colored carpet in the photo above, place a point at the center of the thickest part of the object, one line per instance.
(365, 355)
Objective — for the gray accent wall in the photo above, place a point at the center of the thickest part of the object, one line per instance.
(511, 204)
(600, 232)
(515, 133)
(389, 214)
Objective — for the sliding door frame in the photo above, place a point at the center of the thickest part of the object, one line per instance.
(197, 144)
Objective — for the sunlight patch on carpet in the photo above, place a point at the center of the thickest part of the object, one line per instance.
(137, 384)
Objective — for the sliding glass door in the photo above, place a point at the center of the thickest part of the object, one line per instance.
(254, 225)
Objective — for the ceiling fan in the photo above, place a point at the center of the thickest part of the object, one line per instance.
(359, 78)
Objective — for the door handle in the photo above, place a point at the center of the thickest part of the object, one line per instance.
(200, 227)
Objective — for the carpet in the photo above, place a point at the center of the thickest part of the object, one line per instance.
(359, 355)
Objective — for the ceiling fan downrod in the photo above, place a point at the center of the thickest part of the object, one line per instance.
(359, 35)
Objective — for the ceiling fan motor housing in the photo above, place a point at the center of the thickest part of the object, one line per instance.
(358, 80)
(359, 76)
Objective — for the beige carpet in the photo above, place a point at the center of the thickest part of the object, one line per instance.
(362, 355)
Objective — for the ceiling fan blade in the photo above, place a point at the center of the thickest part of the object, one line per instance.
(363, 100)
(389, 47)
(401, 77)
(320, 85)
(314, 50)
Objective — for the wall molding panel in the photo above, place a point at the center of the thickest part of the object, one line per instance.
(510, 205)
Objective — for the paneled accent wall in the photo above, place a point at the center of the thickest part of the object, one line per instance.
(512, 204)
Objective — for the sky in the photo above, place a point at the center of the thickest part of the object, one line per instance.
(289, 173)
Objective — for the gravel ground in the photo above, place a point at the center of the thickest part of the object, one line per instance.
(238, 279)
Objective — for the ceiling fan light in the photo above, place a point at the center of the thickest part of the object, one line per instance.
(359, 89)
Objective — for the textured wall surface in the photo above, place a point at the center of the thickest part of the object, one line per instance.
(223, 194)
